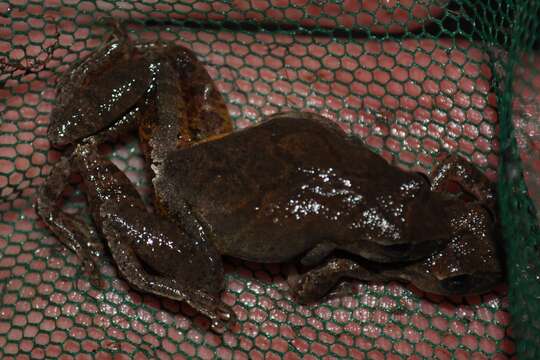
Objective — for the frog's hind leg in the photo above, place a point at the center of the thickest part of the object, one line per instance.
(207, 114)
(151, 253)
(73, 232)
(188, 109)
(133, 239)
(109, 86)
(455, 169)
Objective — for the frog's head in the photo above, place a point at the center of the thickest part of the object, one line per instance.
(470, 263)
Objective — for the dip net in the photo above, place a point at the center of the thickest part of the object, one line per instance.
(411, 78)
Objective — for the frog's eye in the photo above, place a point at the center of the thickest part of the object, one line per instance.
(457, 284)
(398, 249)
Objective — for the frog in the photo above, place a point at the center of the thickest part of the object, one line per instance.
(295, 186)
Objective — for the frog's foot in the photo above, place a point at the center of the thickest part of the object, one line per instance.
(342, 289)
(453, 168)
(221, 315)
(130, 266)
(72, 231)
(317, 283)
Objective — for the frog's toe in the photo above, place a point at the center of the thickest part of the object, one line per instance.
(97, 281)
(223, 319)
(310, 288)
(91, 269)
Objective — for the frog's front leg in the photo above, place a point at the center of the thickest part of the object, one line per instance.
(316, 255)
(317, 283)
(453, 168)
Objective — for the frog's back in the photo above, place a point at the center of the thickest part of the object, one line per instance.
(275, 190)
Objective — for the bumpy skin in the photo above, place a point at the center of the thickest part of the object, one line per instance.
(298, 184)
(470, 263)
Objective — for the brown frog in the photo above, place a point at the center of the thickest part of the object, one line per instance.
(294, 186)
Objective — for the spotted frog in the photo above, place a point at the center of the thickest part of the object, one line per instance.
(294, 186)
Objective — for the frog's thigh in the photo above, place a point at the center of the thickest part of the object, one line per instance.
(124, 227)
(136, 237)
(318, 282)
(71, 230)
(120, 83)
(208, 113)
(317, 254)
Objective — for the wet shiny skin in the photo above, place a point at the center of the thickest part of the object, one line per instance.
(297, 184)
(293, 186)
(469, 264)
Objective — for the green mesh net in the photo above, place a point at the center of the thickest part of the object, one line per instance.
(410, 78)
